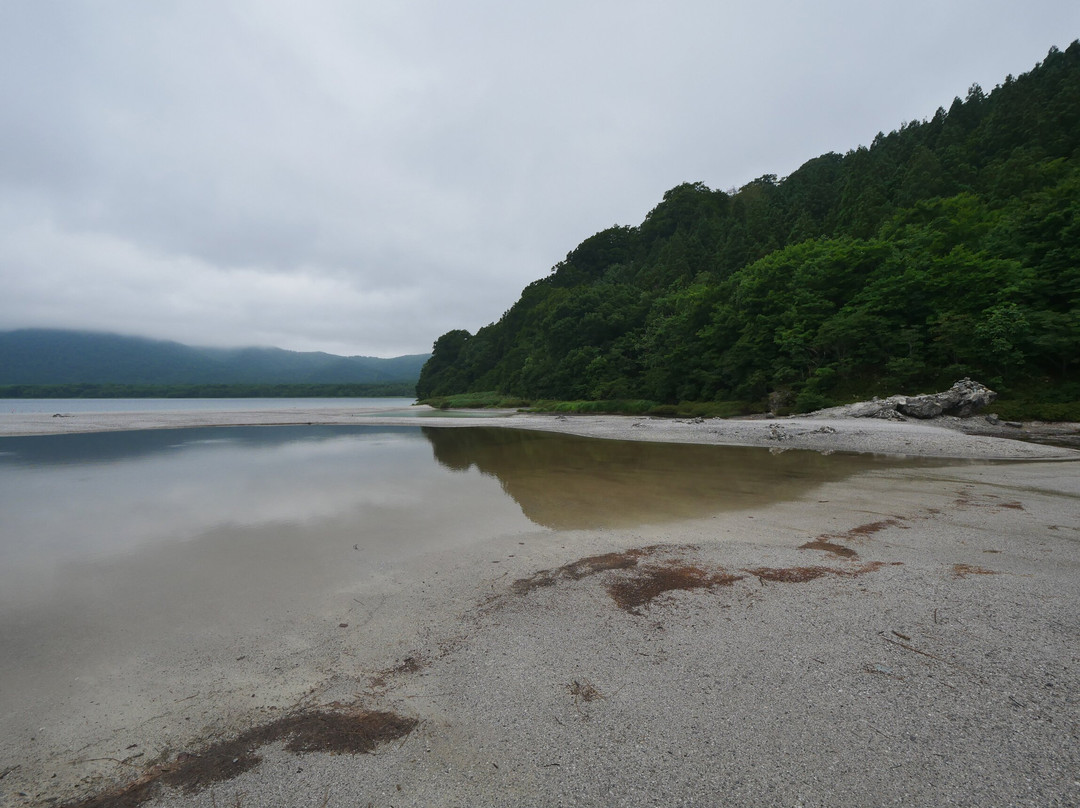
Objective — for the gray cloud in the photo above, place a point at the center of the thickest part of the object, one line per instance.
(361, 177)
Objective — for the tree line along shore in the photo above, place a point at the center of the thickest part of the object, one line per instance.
(949, 247)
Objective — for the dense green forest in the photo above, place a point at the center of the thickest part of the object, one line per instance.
(947, 248)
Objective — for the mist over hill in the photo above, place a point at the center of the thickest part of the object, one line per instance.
(52, 356)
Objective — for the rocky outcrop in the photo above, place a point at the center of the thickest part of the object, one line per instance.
(963, 399)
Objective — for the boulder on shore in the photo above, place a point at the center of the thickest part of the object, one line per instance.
(963, 399)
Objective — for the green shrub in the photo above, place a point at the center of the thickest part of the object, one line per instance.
(1027, 410)
(610, 407)
(705, 409)
(809, 400)
(665, 410)
(466, 401)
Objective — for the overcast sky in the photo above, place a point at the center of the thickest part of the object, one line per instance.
(360, 177)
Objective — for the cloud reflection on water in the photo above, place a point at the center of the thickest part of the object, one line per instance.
(72, 500)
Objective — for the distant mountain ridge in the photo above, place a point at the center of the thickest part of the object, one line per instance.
(56, 356)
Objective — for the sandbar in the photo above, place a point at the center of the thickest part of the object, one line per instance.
(941, 438)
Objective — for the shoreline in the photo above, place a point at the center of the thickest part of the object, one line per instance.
(948, 438)
(905, 635)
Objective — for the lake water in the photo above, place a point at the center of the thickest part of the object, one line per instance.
(117, 548)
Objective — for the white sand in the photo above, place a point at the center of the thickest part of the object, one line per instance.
(945, 672)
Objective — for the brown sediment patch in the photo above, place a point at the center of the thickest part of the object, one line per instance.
(800, 575)
(874, 527)
(791, 575)
(599, 563)
(637, 585)
(592, 565)
(523, 586)
(315, 731)
(827, 542)
(634, 585)
(964, 570)
(829, 547)
(648, 583)
(342, 733)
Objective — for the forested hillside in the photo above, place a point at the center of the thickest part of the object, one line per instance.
(949, 247)
(57, 357)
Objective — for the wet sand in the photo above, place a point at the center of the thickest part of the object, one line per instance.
(944, 438)
(908, 635)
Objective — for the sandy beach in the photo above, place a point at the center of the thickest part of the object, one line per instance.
(907, 636)
(947, 437)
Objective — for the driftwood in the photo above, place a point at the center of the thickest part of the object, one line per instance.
(963, 399)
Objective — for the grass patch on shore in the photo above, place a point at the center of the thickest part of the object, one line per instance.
(1024, 409)
(614, 406)
(707, 409)
(476, 401)
(1043, 405)
(620, 406)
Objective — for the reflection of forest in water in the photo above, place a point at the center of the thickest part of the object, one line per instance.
(567, 482)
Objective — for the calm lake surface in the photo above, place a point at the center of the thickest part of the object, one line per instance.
(114, 545)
